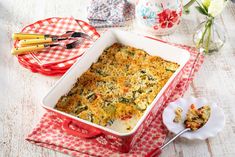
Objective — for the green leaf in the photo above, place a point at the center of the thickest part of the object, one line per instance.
(201, 10)
(186, 11)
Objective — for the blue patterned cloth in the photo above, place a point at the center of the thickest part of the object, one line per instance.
(109, 13)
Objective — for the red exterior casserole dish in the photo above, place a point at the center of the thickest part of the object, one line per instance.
(99, 134)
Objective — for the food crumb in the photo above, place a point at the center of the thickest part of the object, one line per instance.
(178, 115)
(128, 128)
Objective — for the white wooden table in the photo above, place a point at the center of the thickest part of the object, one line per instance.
(22, 90)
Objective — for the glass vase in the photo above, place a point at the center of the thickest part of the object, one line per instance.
(210, 36)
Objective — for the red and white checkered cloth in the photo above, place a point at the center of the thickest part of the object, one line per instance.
(56, 60)
(48, 133)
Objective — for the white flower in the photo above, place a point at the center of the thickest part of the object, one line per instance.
(216, 7)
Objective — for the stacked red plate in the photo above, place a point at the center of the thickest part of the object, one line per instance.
(56, 60)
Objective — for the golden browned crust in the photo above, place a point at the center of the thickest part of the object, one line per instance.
(122, 83)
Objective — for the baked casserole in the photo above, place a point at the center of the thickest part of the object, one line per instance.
(196, 118)
(121, 84)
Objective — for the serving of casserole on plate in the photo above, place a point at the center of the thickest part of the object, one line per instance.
(115, 89)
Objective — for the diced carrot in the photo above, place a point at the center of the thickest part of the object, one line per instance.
(98, 95)
(125, 89)
(192, 106)
(124, 117)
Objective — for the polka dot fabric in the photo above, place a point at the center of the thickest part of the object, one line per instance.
(48, 132)
(56, 60)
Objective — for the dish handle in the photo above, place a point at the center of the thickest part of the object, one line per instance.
(84, 132)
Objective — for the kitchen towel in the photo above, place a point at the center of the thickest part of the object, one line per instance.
(109, 13)
(48, 133)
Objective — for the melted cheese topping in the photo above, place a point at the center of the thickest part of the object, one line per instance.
(121, 84)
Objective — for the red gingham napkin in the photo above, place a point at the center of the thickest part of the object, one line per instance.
(48, 133)
(56, 60)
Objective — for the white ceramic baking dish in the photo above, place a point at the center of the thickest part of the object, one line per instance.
(103, 135)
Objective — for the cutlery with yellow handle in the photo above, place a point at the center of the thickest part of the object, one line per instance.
(33, 42)
(38, 48)
(33, 39)
(28, 49)
(20, 36)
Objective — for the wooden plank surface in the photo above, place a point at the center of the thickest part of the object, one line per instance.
(22, 90)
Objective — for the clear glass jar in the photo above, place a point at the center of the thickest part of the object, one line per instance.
(210, 39)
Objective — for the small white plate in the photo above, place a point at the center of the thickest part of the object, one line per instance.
(214, 125)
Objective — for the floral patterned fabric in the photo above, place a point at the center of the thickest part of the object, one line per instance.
(109, 13)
